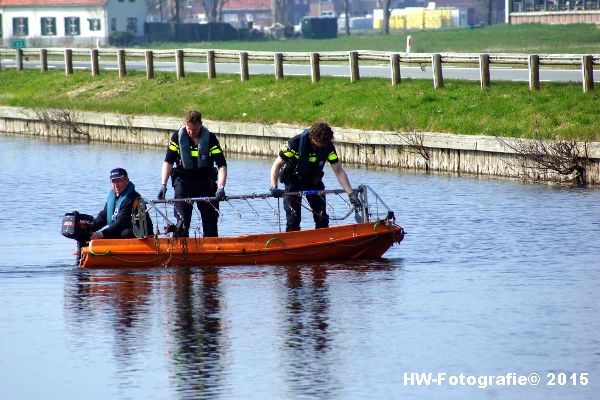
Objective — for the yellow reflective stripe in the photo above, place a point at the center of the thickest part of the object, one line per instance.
(312, 158)
(332, 156)
(216, 151)
(173, 146)
(288, 154)
(195, 153)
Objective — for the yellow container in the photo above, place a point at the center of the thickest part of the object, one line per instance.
(446, 18)
(414, 19)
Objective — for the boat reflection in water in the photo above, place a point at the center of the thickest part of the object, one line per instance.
(177, 317)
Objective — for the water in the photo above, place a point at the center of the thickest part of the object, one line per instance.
(494, 277)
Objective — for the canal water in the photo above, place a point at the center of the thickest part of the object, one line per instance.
(494, 278)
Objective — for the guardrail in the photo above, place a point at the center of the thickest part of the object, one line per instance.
(483, 61)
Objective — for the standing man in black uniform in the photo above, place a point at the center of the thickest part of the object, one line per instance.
(300, 167)
(194, 151)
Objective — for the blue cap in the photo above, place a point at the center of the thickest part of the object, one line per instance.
(117, 173)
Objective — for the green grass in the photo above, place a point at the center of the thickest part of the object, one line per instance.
(535, 38)
(506, 109)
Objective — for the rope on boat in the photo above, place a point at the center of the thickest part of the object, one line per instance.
(272, 240)
(107, 252)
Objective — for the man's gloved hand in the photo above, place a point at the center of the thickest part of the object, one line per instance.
(354, 200)
(276, 192)
(220, 195)
(162, 193)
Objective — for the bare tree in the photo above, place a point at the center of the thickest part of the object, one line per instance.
(385, 24)
(65, 120)
(414, 142)
(347, 12)
(213, 9)
(154, 6)
(565, 159)
(279, 8)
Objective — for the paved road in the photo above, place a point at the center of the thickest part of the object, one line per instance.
(375, 71)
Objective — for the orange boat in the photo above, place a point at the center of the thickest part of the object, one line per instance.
(368, 240)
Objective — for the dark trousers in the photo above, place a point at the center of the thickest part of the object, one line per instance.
(293, 207)
(208, 210)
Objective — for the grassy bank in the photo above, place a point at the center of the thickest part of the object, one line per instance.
(535, 38)
(507, 109)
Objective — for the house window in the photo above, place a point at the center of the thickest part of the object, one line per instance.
(20, 26)
(113, 24)
(72, 26)
(48, 26)
(132, 24)
(94, 24)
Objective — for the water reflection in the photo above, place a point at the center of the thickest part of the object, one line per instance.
(126, 302)
(196, 333)
(121, 300)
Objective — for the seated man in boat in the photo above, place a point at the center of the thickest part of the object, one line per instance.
(299, 167)
(194, 151)
(114, 220)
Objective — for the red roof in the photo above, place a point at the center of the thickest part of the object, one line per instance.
(31, 3)
(245, 5)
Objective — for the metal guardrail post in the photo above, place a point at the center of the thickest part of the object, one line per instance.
(534, 72)
(315, 70)
(244, 75)
(484, 70)
(95, 62)
(587, 71)
(43, 60)
(354, 72)
(68, 61)
(395, 68)
(438, 77)
(278, 60)
(179, 64)
(210, 61)
(19, 59)
(121, 62)
(149, 56)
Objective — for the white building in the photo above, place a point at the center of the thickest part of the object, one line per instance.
(66, 22)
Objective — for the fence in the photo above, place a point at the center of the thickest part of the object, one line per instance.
(483, 61)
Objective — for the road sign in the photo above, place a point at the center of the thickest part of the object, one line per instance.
(18, 43)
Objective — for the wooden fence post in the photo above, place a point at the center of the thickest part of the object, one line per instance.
(149, 65)
(534, 72)
(354, 71)
(121, 62)
(315, 71)
(484, 70)
(438, 77)
(278, 60)
(69, 61)
(244, 66)
(179, 63)
(19, 59)
(43, 60)
(210, 61)
(587, 70)
(95, 63)
(395, 68)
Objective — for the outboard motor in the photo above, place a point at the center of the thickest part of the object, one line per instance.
(77, 226)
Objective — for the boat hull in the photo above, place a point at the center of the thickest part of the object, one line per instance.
(345, 242)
